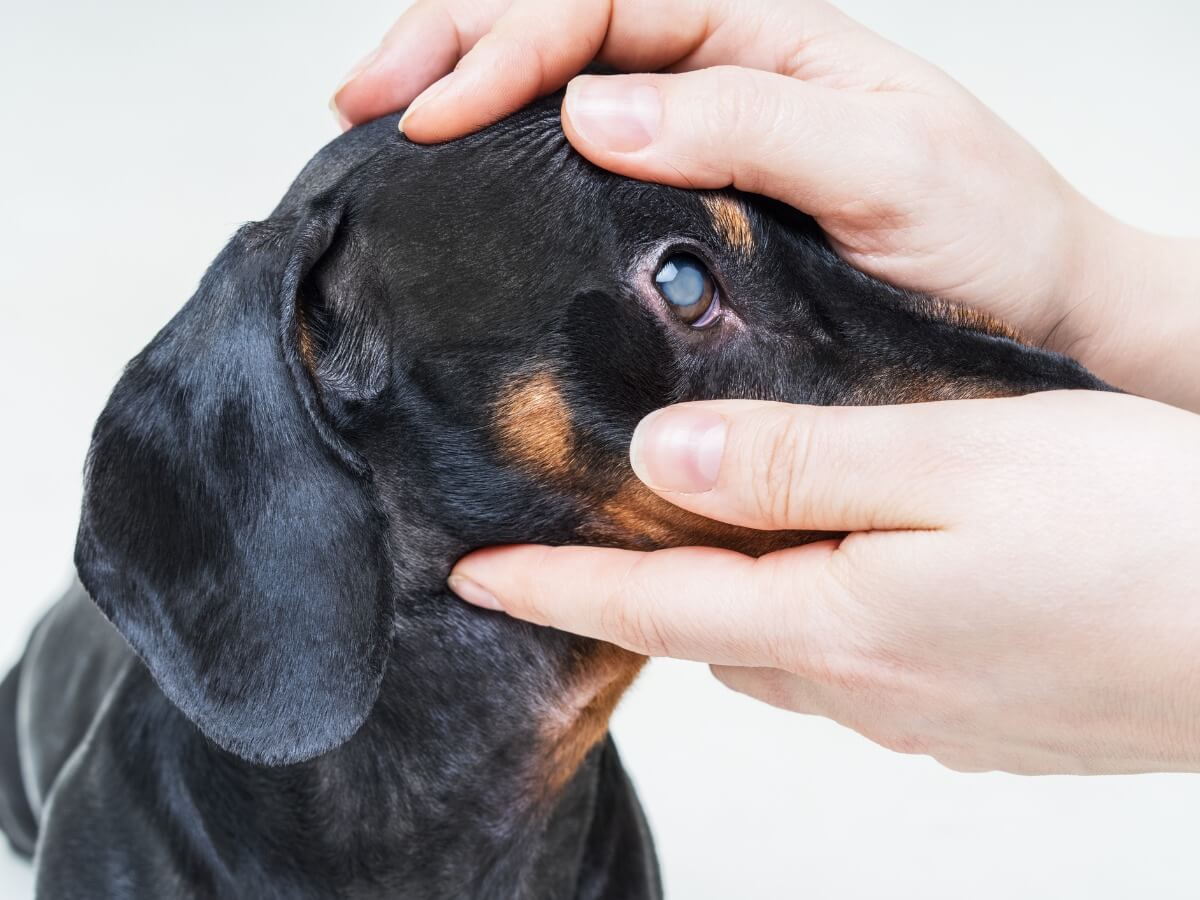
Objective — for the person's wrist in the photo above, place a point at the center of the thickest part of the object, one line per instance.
(1078, 310)
(1131, 311)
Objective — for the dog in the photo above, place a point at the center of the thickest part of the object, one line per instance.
(261, 687)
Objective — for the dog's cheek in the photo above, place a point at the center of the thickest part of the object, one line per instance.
(617, 367)
(892, 388)
(532, 426)
(569, 427)
(636, 518)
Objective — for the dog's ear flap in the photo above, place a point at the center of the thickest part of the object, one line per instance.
(228, 532)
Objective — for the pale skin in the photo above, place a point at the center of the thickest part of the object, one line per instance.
(1019, 587)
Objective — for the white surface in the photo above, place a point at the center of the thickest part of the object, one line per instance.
(140, 134)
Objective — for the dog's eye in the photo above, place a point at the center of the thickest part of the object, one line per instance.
(689, 290)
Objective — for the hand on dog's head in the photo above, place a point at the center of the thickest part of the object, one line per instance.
(428, 349)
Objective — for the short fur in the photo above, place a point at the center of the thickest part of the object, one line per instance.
(424, 350)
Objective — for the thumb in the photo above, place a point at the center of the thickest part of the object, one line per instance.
(807, 145)
(780, 466)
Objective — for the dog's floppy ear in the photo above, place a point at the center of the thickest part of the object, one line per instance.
(228, 531)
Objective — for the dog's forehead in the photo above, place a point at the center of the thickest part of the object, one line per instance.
(531, 150)
(521, 177)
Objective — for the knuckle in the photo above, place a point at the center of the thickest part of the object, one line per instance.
(615, 621)
(780, 452)
(628, 618)
(732, 101)
(815, 632)
(733, 107)
(793, 644)
(870, 614)
(529, 600)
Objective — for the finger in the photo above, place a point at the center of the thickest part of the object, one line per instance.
(776, 687)
(814, 147)
(691, 603)
(779, 466)
(424, 45)
(535, 46)
(530, 50)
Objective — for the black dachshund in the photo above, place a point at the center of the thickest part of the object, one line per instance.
(422, 351)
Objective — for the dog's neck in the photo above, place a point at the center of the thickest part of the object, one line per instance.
(477, 772)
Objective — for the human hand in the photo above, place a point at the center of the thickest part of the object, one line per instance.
(911, 177)
(1018, 590)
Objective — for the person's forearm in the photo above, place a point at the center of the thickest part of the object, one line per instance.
(1135, 320)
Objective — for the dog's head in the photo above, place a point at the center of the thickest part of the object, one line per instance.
(428, 349)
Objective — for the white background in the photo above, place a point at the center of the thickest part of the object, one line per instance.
(139, 134)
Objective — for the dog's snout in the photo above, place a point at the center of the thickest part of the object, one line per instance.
(960, 360)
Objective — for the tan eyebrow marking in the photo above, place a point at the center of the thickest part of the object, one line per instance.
(533, 424)
(731, 222)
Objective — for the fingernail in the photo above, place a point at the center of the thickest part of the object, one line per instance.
(357, 69)
(343, 123)
(613, 112)
(426, 95)
(679, 449)
(473, 593)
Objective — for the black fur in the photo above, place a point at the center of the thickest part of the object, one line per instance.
(284, 476)
(209, 573)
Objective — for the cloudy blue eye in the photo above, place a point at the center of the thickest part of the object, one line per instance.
(689, 289)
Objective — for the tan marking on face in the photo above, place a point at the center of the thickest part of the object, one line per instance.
(928, 388)
(896, 387)
(306, 346)
(533, 425)
(965, 316)
(579, 719)
(730, 221)
(638, 518)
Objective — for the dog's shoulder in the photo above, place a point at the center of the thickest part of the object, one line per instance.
(101, 814)
(618, 860)
(70, 668)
